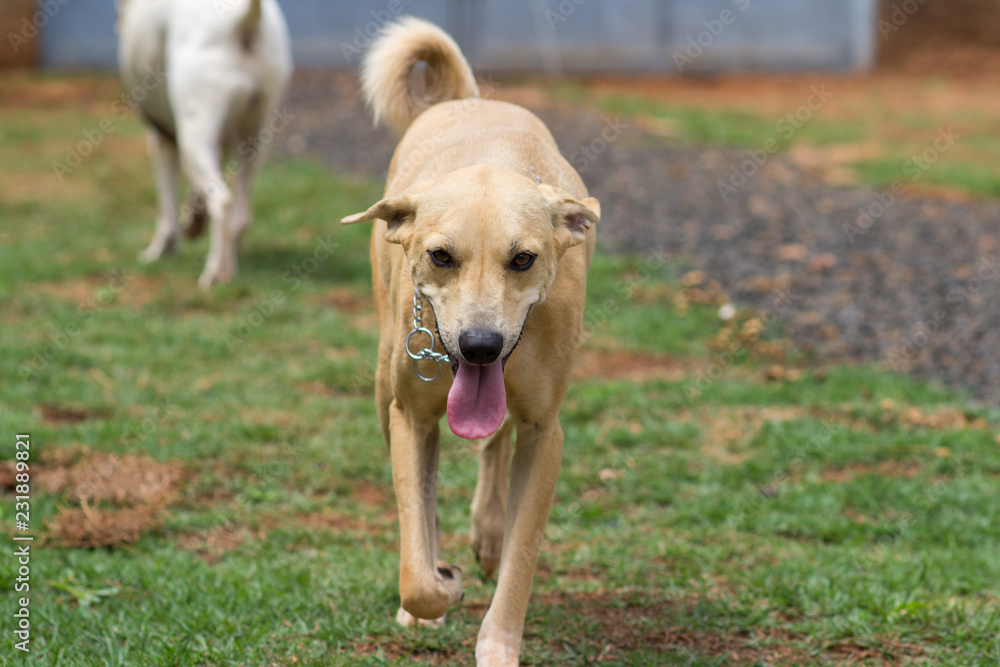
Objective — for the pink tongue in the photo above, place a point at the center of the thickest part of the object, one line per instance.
(477, 401)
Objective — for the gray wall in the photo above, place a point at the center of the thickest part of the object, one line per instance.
(552, 35)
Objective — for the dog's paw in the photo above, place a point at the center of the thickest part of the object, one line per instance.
(450, 576)
(487, 543)
(212, 276)
(408, 620)
(158, 248)
(497, 649)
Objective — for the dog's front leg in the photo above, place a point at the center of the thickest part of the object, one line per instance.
(533, 475)
(427, 587)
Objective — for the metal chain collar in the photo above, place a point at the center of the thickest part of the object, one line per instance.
(427, 353)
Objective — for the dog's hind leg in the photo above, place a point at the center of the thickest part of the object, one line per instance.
(242, 213)
(427, 586)
(166, 167)
(199, 144)
(489, 504)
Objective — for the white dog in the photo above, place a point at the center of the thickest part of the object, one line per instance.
(226, 64)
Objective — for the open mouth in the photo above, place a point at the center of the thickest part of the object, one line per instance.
(477, 401)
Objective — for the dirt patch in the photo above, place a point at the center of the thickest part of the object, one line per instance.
(630, 366)
(89, 527)
(371, 495)
(111, 499)
(423, 655)
(325, 520)
(831, 163)
(29, 90)
(33, 186)
(69, 414)
(128, 480)
(904, 469)
(347, 301)
(948, 419)
(213, 544)
(728, 431)
(101, 291)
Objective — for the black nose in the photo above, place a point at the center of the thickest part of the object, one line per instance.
(480, 346)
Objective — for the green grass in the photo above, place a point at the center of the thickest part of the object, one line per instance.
(731, 127)
(970, 166)
(810, 520)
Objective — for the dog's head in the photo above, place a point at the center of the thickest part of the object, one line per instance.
(483, 245)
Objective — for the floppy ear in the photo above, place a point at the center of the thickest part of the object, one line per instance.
(571, 218)
(398, 213)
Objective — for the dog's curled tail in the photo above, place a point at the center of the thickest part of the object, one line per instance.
(249, 26)
(388, 66)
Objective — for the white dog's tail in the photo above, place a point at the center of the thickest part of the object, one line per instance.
(389, 63)
(249, 26)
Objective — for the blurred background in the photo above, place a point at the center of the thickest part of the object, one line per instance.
(575, 35)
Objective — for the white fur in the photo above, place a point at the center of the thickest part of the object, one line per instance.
(227, 66)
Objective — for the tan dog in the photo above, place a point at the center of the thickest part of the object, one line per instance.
(493, 228)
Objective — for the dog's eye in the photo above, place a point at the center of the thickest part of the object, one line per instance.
(522, 261)
(441, 258)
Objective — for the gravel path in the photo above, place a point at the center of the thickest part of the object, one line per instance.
(915, 287)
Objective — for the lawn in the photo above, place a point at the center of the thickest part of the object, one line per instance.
(209, 485)
(937, 135)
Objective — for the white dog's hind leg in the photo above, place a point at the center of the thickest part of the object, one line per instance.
(243, 200)
(202, 156)
(166, 168)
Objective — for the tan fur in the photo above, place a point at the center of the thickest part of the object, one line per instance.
(484, 180)
(390, 61)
